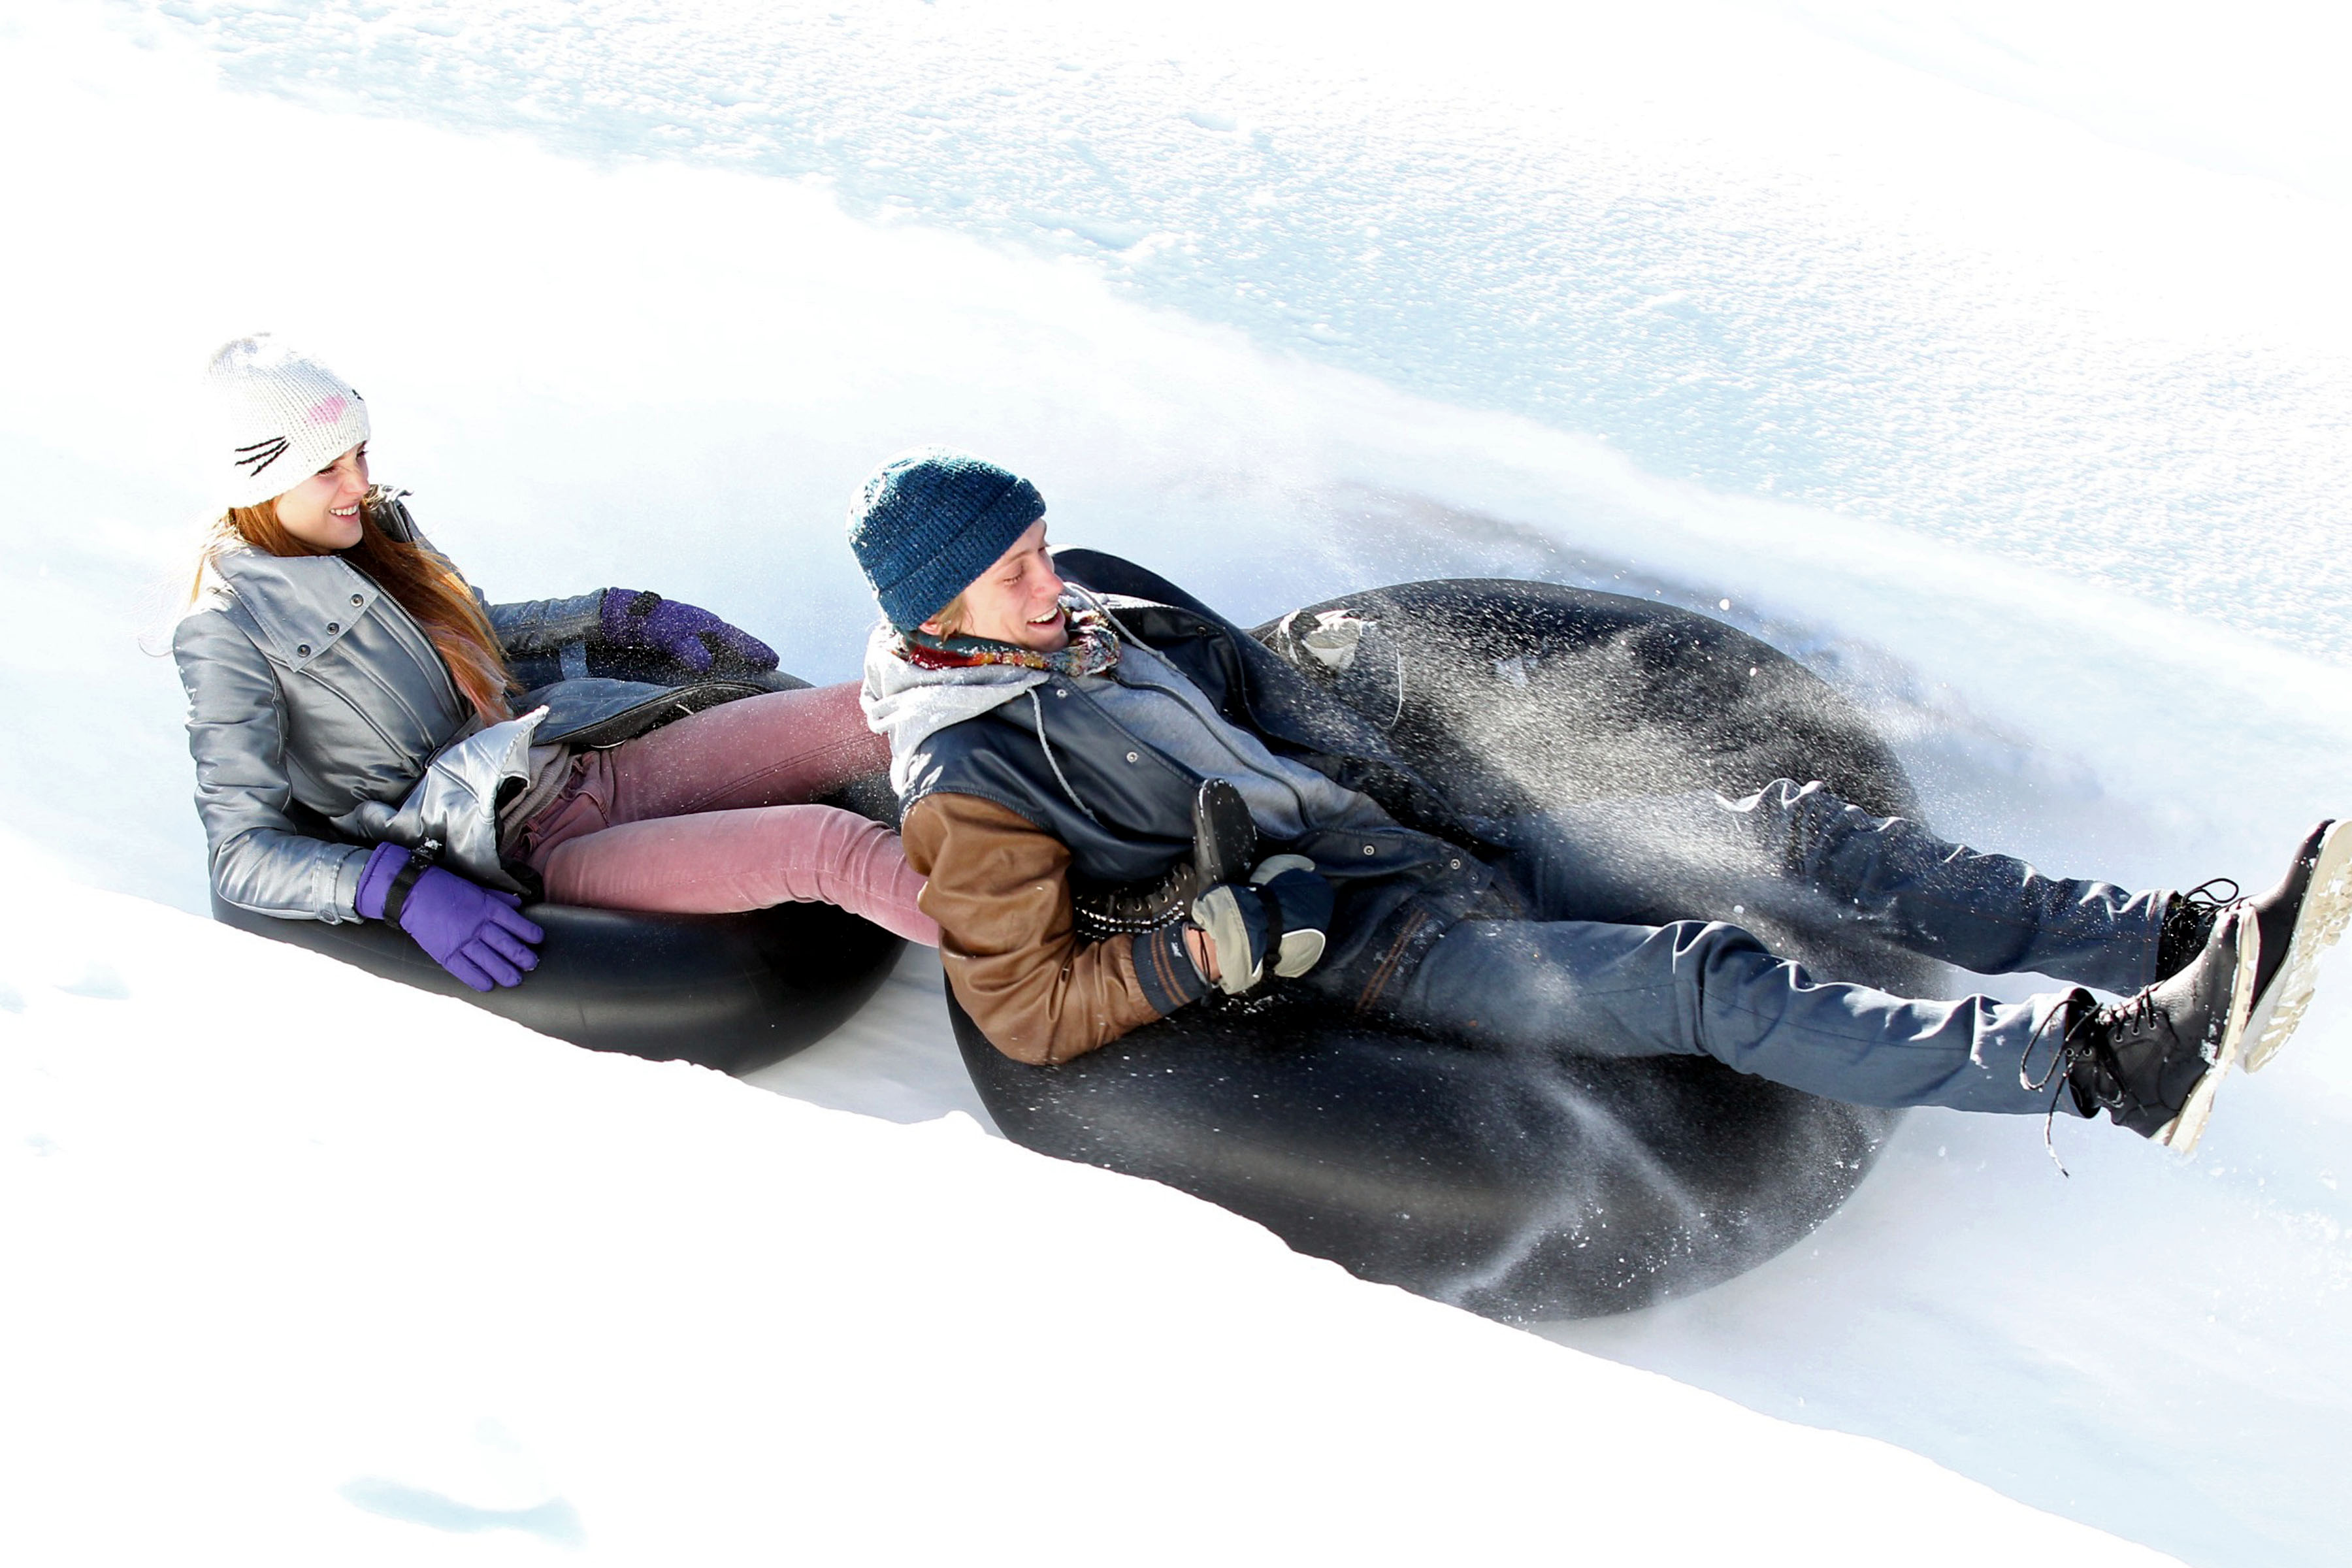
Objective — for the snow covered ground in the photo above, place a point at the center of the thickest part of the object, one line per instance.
(437, 1289)
(2003, 377)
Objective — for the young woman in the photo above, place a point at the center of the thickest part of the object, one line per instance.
(372, 740)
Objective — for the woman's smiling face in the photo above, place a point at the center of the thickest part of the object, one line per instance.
(323, 511)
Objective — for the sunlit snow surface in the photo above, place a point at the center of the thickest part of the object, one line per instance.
(286, 1290)
(2022, 425)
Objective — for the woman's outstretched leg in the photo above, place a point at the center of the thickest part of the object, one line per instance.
(718, 862)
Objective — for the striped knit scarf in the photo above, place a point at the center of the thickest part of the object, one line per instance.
(1093, 649)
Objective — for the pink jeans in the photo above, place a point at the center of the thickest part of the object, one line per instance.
(699, 817)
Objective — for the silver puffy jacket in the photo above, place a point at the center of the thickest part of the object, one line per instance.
(311, 693)
(322, 721)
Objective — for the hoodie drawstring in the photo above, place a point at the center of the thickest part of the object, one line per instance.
(1051, 761)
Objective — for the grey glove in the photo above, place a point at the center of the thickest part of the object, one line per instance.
(1282, 912)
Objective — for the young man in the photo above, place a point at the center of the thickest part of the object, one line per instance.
(1051, 747)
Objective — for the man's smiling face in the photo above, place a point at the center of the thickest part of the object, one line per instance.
(1017, 600)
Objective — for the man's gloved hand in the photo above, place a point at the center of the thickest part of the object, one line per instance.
(1303, 900)
(1282, 913)
(696, 639)
(473, 932)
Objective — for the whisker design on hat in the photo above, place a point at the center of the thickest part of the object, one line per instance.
(264, 454)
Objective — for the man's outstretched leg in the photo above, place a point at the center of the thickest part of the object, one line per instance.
(1996, 914)
(1710, 989)
(1796, 856)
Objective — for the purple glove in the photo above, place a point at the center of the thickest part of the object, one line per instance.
(693, 637)
(471, 930)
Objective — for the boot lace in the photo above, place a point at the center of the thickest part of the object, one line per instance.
(2081, 1038)
(2190, 923)
(2205, 901)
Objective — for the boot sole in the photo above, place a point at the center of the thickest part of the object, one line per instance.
(2327, 909)
(2180, 1134)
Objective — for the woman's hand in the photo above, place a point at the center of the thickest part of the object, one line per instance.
(473, 932)
(695, 637)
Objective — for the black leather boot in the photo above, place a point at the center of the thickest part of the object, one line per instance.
(2152, 1063)
(2300, 919)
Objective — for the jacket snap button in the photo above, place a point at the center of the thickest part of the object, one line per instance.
(1131, 757)
(333, 627)
(302, 650)
(358, 599)
(1369, 849)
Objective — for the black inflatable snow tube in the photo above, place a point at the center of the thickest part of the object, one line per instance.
(1521, 1189)
(731, 991)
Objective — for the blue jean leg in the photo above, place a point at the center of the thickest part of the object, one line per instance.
(1704, 988)
(1797, 854)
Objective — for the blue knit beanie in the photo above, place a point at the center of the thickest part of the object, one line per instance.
(929, 521)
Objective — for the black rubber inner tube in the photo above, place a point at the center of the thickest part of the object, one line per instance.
(732, 992)
(1518, 1187)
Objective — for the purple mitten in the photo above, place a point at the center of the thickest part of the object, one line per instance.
(694, 637)
(473, 932)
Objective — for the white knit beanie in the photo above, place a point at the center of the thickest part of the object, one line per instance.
(283, 416)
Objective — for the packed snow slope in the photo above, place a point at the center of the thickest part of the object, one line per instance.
(2057, 391)
(340, 1273)
(1718, 236)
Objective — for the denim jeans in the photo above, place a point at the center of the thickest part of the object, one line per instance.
(1592, 974)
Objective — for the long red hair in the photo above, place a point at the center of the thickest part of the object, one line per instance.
(420, 579)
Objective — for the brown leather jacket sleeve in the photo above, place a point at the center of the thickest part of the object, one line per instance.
(999, 887)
